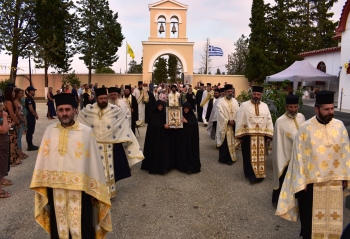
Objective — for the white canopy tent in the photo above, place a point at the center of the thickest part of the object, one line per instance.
(301, 71)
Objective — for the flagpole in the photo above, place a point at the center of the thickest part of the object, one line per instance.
(126, 56)
(207, 55)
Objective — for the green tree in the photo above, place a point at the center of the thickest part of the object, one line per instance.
(237, 59)
(53, 26)
(173, 69)
(218, 72)
(257, 61)
(160, 72)
(71, 79)
(100, 34)
(134, 68)
(323, 26)
(104, 70)
(16, 31)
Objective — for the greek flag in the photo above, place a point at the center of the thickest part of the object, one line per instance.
(215, 51)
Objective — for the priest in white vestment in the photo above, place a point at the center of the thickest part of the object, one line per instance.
(71, 195)
(254, 129)
(174, 97)
(142, 97)
(111, 128)
(285, 129)
(207, 95)
(227, 108)
(318, 173)
(212, 122)
(114, 98)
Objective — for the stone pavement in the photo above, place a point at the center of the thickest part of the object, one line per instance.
(216, 203)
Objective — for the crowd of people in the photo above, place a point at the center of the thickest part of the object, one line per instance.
(310, 157)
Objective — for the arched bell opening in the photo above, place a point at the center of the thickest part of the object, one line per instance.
(161, 27)
(174, 26)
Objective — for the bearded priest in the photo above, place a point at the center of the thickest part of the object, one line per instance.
(254, 130)
(285, 129)
(69, 180)
(118, 146)
(227, 108)
(318, 173)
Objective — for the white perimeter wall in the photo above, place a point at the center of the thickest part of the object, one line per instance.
(344, 81)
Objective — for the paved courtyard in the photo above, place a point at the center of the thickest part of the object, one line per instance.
(216, 203)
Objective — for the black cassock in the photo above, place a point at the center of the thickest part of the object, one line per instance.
(209, 109)
(149, 106)
(199, 108)
(120, 161)
(134, 113)
(156, 147)
(187, 158)
(190, 99)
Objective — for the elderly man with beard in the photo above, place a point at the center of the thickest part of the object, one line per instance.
(111, 128)
(318, 173)
(227, 108)
(254, 130)
(285, 129)
(114, 98)
(69, 179)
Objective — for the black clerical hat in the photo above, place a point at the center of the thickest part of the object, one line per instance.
(228, 87)
(100, 91)
(127, 87)
(222, 89)
(65, 99)
(325, 97)
(217, 90)
(257, 88)
(113, 90)
(173, 86)
(208, 84)
(201, 84)
(139, 83)
(292, 99)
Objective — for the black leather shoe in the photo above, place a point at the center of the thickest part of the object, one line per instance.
(229, 162)
(33, 148)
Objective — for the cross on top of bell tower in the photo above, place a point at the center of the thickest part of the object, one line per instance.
(168, 21)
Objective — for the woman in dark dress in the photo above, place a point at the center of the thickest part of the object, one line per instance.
(51, 111)
(4, 152)
(156, 148)
(190, 98)
(189, 160)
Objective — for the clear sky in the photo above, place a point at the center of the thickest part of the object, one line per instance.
(222, 21)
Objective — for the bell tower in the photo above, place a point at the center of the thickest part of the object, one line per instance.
(168, 25)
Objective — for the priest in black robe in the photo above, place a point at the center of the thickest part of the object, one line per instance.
(156, 147)
(149, 105)
(211, 103)
(188, 159)
(133, 107)
(199, 95)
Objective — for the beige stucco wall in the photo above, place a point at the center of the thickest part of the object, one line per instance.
(239, 82)
(55, 80)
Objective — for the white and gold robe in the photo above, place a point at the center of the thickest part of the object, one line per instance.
(320, 156)
(111, 126)
(174, 99)
(255, 120)
(142, 98)
(226, 110)
(68, 162)
(213, 118)
(283, 137)
(204, 103)
(125, 106)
